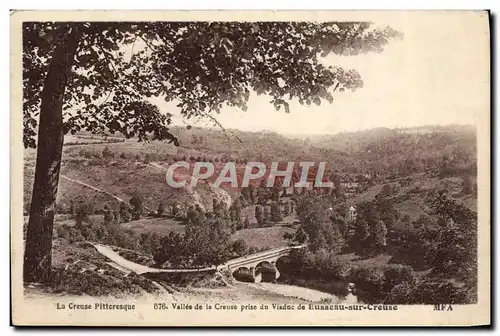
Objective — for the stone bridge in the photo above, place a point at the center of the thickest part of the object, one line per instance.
(254, 261)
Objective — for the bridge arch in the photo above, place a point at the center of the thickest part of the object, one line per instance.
(284, 267)
(244, 274)
(265, 271)
(255, 262)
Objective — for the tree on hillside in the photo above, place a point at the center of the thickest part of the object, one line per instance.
(72, 208)
(262, 192)
(137, 203)
(406, 220)
(193, 216)
(286, 209)
(246, 195)
(259, 215)
(386, 191)
(107, 153)
(321, 231)
(266, 214)
(125, 212)
(76, 76)
(361, 234)
(467, 185)
(82, 213)
(246, 223)
(216, 205)
(235, 214)
(108, 215)
(379, 235)
(276, 215)
(117, 219)
(457, 247)
(176, 210)
(208, 243)
(161, 209)
(275, 193)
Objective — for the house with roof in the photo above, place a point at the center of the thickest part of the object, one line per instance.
(351, 214)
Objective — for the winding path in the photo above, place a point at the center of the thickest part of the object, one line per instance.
(141, 269)
(99, 190)
(93, 188)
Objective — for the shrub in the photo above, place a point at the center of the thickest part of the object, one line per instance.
(82, 212)
(161, 209)
(107, 153)
(63, 231)
(87, 154)
(75, 235)
(123, 238)
(397, 274)
(125, 215)
(149, 242)
(367, 278)
(88, 234)
(402, 293)
(239, 248)
(77, 281)
(137, 203)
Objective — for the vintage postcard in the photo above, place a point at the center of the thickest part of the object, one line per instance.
(250, 168)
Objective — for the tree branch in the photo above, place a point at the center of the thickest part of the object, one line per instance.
(203, 113)
(147, 43)
(220, 125)
(106, 57)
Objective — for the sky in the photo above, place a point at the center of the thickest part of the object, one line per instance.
(438, 74)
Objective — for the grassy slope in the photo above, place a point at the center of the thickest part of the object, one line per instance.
(268, 237)
(414, 206)
(160, 226)
(120, 177)
(124, 177)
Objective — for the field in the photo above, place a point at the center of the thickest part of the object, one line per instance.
(159, 226)
(264, 238)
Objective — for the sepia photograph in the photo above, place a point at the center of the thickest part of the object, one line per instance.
(238, 168)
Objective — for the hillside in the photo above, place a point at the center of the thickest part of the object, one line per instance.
(358, 141)
(132, 168)
(408, 195)
(205, 223)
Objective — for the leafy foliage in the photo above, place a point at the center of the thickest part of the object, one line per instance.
(205, 243)
(203, 65)
(321, 230)
(137, 203)
(82, 212)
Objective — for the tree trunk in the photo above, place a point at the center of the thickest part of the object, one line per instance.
(38, 249)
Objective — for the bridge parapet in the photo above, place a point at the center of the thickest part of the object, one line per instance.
(251, 261)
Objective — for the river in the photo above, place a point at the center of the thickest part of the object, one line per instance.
(334, 291)
(304, 293)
